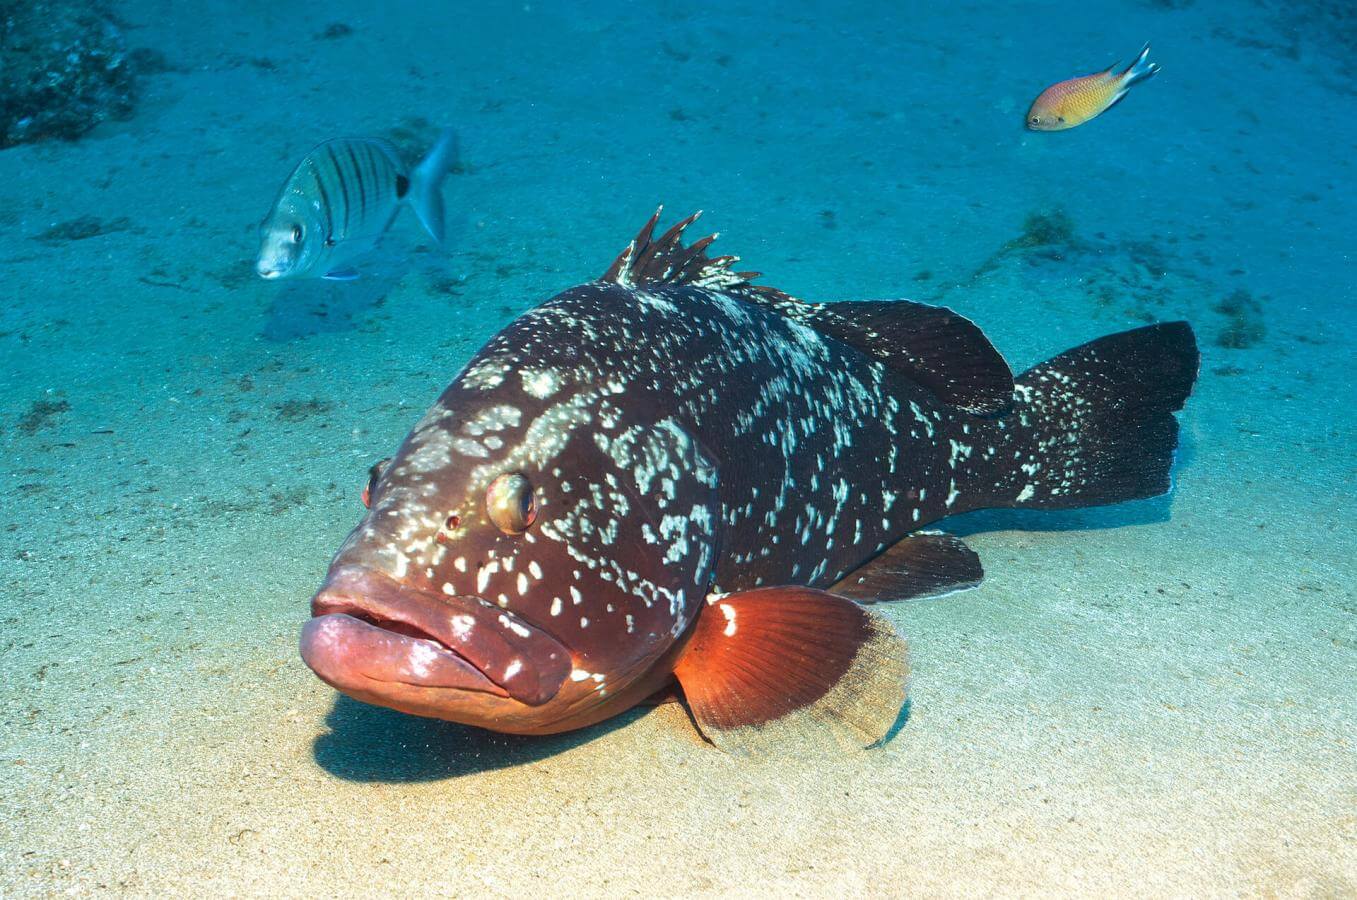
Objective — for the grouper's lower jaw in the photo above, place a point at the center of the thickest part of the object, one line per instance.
(461, 658)
(356, 657)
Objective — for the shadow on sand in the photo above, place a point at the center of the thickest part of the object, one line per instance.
(308, 307)
(1156, 510)
(372, 743)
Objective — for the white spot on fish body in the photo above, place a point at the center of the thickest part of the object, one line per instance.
(485, 375)
(540, 383)
(496, 418)
(483, 576)
(468, 447)
(421, 655)
(514, 626)
(729, 612)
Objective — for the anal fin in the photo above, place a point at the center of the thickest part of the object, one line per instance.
(793, 668)
(924, 564)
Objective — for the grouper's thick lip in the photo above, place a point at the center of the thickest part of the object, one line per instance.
(367, 628)
(351, 653)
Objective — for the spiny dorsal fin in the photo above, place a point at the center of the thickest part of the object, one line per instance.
(648, 260)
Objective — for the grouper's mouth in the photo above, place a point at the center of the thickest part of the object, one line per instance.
(377, 639)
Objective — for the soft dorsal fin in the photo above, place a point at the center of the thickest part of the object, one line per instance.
(932, 345)
(790, 669)
(922, 565)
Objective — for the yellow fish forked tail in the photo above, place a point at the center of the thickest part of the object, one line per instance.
(1136, 72)
(1069, 103)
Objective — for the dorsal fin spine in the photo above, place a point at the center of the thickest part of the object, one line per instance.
(649, 260)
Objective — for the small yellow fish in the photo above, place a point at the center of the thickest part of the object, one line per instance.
(1074, 102)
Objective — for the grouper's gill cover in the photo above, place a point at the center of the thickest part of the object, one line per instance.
(671, 472)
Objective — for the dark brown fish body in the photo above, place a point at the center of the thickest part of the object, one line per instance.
(671, 440)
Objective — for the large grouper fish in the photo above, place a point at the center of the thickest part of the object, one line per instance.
(671, 480)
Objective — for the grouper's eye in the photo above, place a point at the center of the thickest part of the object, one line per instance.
(510, 503)
(296, 234)
(374, 475)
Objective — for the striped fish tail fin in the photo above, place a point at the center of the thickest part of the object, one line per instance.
(1139, 70)
(426, 183)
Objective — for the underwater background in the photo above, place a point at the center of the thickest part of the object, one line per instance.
(1152, 698)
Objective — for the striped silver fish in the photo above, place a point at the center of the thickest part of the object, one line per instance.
(341, 199)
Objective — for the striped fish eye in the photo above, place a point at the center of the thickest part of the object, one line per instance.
(511, 503)
(296, 234)
(374, 475)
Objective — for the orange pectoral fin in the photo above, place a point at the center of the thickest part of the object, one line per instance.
(792, 668)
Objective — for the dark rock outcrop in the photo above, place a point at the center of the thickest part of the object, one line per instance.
(64, 68)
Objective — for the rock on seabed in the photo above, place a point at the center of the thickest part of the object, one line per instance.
(64, 68)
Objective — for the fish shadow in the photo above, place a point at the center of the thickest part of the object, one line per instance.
(312, 306)
(305, 308)
(1140, 512)
(374, 744)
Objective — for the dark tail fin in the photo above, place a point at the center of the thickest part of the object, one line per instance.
(1095, 424)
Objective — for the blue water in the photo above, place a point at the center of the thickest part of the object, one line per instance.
(1159, 694)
